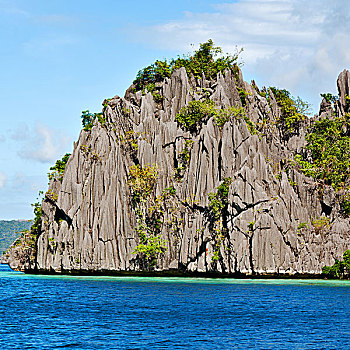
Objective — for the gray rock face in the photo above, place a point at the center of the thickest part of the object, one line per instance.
(272, 222)
(21, 254)
(343, 83)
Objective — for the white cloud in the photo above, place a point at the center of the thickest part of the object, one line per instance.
(295, 44)
(41, 144)
(3, 179)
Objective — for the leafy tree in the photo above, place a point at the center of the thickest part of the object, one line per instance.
(340, 268)
(88, 119)
(59, 167)
(328, 146)
(191, 116)
(208, 59)
(218, 201)
(292, 110)
(142, 181)
(195, 113)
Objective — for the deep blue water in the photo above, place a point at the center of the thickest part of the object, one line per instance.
(56, 312)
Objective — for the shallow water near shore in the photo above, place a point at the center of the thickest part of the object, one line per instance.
(84, 312)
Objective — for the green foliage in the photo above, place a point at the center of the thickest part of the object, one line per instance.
(330, 98)
(346, 205)
(150, 221)
(328, 146)
(89, 153)
(218, 200)
(168, 192)
(191, 116)
(51, 195)
(250, 125)
(105, 103)
(222, 116)
(251, 226)
(58, 168)
(208, 59)
(52, 242)
(183, 159)
(130, 139)
(302, 225)
(150, 249)
(195, 113)
(141, 181)
(292, 110)
(340, 269)
(243, 95)
(36, 226)
(320, 223)
(152, 74)
(88, 119)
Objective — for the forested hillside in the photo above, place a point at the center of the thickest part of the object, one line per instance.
(9, 231)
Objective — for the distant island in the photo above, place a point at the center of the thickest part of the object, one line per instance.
(10, 230)
(197, 172)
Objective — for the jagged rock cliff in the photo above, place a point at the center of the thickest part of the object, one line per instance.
(96, 218)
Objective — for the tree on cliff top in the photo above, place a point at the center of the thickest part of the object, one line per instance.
(207, 59)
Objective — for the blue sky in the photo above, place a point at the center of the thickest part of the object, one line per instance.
(61, 57)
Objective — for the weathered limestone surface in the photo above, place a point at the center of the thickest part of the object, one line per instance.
(90, 227)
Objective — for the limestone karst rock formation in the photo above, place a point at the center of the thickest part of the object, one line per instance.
(94, 219)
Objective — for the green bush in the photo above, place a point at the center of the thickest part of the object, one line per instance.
(195, 113)
(88, 119)
(346, 206)
(222, 116)
(59, 167)
(320, 223)
(330, 98)
(328, 146)
(292, 110)
(191, 116)
(184, 159)
(142, 181)
(150, 248)
(207, 59)
(36, 226)
(218, 200)
(340, 269)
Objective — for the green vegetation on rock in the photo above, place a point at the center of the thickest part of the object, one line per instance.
(88, 119)
(58, 169)
(340, 269)
(293, 110)
(141, 181)
(218, 202)
(208, 59)
(150, 213)
(195, 113)
(328, 152)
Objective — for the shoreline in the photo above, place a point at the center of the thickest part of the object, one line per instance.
(179, 274)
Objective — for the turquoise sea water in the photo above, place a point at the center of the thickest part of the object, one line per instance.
(57, 312)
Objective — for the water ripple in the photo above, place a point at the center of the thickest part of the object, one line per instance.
(56, 312)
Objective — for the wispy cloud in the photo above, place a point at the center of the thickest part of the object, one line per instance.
(42, 144)
(7, 7)
(297, 44)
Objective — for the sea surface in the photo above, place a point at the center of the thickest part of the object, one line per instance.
(65, 312)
